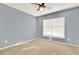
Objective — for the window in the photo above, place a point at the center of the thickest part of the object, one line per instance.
(54, 27)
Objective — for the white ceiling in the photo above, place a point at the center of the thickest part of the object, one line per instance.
(31, 8)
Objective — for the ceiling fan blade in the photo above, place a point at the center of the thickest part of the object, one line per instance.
(41, 5)
(36, 3)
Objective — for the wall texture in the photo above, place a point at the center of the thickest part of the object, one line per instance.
(71, 24)
(15, 26)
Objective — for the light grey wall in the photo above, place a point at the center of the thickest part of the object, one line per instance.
(71, 24)
(15, 26)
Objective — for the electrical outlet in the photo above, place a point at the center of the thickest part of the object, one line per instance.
(6, 41)
(68, 39)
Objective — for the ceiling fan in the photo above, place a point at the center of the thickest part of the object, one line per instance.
(40, 6)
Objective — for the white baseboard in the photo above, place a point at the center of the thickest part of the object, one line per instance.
(53, 41)
(27, 41)
(16, 44)
(75, 45)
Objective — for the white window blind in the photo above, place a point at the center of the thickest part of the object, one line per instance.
(54, 27)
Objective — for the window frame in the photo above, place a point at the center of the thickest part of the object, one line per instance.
(51, 35)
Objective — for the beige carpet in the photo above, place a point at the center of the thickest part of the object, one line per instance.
(41, 47)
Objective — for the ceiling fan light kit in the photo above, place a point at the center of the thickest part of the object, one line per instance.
(41, 6)
(40, 9)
